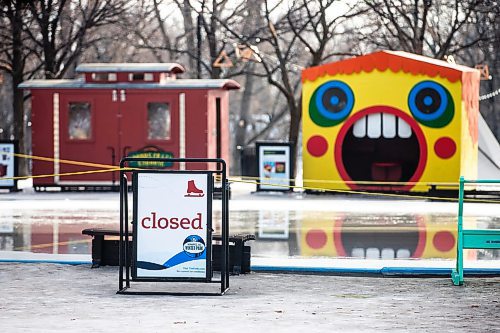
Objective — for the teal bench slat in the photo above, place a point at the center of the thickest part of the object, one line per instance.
(481, 239)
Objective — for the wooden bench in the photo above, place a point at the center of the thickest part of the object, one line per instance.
(471, 238)
(105, 249)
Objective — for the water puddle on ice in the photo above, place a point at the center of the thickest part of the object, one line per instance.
(279, 233)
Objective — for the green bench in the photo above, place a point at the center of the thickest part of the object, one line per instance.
(471, 238)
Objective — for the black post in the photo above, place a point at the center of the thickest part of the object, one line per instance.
(126, 233)
(120, 247)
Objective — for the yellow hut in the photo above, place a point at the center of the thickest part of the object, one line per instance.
(390, 121)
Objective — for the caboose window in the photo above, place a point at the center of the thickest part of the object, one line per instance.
(104, 76)
(140, 77)
(158, 121)
(79, 121)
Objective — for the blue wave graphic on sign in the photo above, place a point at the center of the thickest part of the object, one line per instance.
(179, 258)
(194, 249)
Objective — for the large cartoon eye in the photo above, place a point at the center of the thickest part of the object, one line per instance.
(431, 104)
(331, 103)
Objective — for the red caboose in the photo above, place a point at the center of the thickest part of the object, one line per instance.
(118, 110)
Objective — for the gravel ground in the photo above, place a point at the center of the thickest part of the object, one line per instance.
(51, 297)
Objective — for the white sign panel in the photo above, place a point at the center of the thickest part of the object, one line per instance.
(6, 164)
(274, 167)
(172, 225)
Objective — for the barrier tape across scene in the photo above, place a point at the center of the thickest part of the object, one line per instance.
(252, 180)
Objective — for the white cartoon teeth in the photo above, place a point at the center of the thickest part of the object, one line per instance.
(375, 253)
(376, 125)
(389, 125)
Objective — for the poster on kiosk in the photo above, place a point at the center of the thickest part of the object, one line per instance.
(173, 214)
(275, 166)
(8, 168)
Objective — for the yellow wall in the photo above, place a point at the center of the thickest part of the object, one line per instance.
(390, 89)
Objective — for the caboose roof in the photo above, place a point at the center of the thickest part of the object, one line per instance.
(173, 84)
(129, 67)
(395, 61)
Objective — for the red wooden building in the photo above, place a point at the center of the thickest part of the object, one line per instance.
(116, 110)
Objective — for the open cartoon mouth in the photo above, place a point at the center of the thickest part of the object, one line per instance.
(381, 144)
(380, 239)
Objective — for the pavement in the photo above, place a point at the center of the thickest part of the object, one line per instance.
(45, 297)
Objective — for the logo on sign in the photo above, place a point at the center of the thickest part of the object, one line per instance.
(194, 246)
(193, 191)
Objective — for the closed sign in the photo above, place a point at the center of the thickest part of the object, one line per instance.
(172, 217)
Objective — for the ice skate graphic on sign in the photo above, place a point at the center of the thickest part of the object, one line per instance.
(193, 191)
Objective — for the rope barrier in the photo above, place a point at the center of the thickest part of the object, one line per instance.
(50, 159)
(398, 195)
(64, 174)
(254, 180)
(489, 95)
(361, 182)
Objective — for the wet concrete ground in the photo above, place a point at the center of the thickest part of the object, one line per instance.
(48, 298)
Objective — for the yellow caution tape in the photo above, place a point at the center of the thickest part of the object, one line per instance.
(253, 180)
(50, 159)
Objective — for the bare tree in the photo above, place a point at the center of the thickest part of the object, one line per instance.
(466, 29)
(302, 33)
(428, 27)
(486, 22)
(63, 28)
(44, 38)
(322, 29)
(199, 42)
(14, 54)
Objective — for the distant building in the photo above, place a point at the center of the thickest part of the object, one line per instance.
(120, 110)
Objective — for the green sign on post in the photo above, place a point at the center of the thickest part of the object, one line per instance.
(150, 163)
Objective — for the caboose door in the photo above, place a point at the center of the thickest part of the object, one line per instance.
(89, 133)
(149, 121)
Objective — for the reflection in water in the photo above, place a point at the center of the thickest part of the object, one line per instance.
(279, 233)
(50, 231)
(375, 237)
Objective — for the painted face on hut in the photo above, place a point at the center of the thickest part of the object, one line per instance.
(386, 121)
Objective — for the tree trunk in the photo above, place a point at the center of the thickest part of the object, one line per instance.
(18, 98)
(241, 125)
(190, 32)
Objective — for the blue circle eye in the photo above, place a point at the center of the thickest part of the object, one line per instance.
(431, 104)
(428, 101)
(334, 100)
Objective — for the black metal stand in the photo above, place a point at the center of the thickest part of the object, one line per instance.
(125, 256)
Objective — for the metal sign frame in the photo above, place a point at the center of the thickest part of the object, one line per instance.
(128, 256)
(14, 143)
(278, 187)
